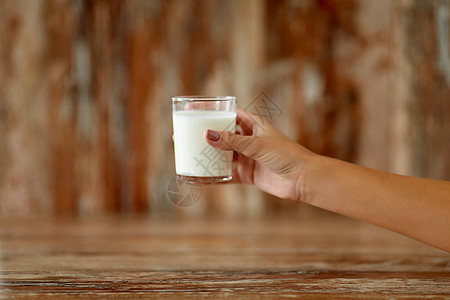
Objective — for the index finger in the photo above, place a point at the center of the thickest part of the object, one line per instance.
(244, 120)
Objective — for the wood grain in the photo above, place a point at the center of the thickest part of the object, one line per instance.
(85, 89)
(318, 256)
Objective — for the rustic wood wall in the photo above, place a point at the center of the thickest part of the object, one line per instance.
(85, 91)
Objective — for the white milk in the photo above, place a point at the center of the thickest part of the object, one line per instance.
(193, 156)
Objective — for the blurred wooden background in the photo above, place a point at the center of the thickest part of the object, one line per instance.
(85, 87)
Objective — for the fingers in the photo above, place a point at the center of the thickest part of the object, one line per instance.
(199, 105)
(225, 140)
(235, 177)
(252, 124)
(245, 121)
(243, 173)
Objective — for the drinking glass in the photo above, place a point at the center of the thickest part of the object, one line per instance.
(196, 160)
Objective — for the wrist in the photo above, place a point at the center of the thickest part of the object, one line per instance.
(310, 162)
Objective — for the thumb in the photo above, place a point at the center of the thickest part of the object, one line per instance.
(226, 140)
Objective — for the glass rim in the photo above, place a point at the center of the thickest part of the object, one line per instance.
(203, 98)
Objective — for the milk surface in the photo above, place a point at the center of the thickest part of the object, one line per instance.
(193, 156)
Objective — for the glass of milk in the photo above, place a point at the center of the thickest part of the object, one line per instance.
(196, 160)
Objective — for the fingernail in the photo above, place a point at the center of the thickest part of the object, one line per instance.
(213, 135)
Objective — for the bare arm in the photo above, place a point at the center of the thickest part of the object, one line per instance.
(416, 207)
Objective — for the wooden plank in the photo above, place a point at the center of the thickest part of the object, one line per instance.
(318, 256)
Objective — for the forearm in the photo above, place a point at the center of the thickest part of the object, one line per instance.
(416, 207)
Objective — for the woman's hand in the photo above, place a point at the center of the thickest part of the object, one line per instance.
(265, 157)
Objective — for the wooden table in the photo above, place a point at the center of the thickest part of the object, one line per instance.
(319, 256)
